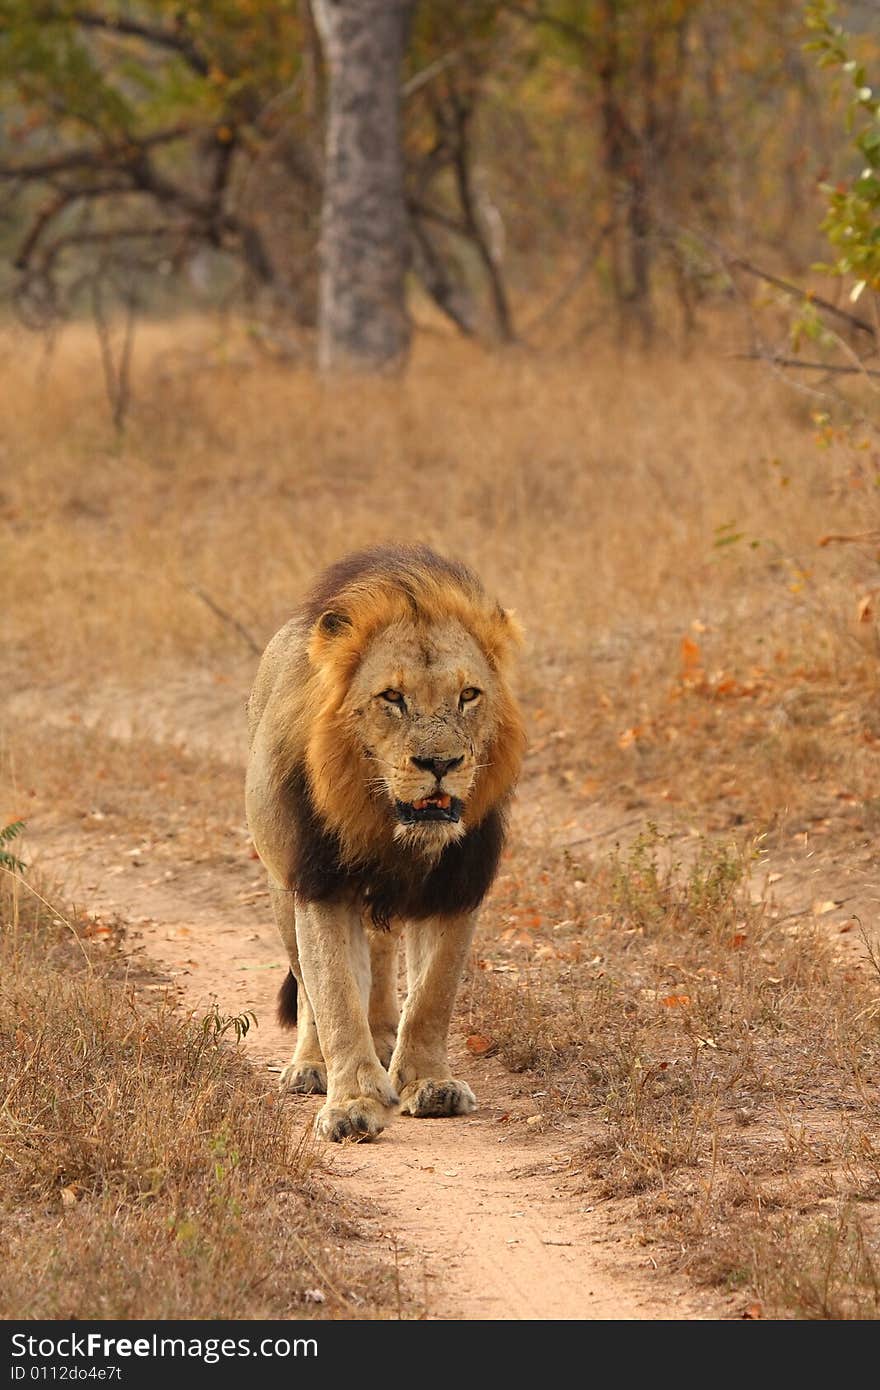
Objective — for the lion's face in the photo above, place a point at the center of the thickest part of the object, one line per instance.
(423, 706)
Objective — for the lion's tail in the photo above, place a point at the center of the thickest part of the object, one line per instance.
(287, 1002)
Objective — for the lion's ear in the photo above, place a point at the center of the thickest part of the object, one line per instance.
(332, 622)
(513, 628)
(501, 635)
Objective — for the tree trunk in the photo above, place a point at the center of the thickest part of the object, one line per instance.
(363, 321)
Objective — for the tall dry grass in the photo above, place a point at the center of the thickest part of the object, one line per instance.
(708, 1064)
(588, 492)
(144, 1170)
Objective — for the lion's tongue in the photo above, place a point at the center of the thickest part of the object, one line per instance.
(442, 801)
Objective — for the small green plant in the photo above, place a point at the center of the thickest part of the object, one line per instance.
(7, 835)
(640, 888)
(216, 1025)
(650, 890)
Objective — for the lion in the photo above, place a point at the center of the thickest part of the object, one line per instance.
(385, 744)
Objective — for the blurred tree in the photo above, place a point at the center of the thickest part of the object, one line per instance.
(363, 323)
(453, 56)
(135, 134)
(560, 157)
(681, 103)
(145, 137)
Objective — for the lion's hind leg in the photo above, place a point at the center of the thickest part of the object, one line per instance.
(436, 951)
(384, 1010)
(305, 1073)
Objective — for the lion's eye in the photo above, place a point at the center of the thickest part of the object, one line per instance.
(468, 695)
(394, 697)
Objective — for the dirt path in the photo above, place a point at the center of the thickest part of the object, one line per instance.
(483, 1210)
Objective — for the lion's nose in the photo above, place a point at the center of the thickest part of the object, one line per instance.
(439, 766)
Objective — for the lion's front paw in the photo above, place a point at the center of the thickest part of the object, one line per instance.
(364, 1111)
(361, 1118)
(428, 1097)
(304, 1078)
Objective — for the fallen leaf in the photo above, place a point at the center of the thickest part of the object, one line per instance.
(691, 655)
(479, 1045)
(676, 1001)
(821, 907)
(754, 1310)
(69, 1196)
(628, 737)
(97, 931)
(738, 940)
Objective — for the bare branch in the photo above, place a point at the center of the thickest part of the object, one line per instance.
(225, 617)
(860, 538)
(805, 296)
(44, 217)
(572, 284)
(107, 237)
(117, 370)
(178, 42)
(97, 158)
(461, 162)
(435, 276)
(539, 15)
(64, 199)
(442, 219)
(832, 369)
(427, 74)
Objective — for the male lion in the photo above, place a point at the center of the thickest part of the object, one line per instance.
(385, 744)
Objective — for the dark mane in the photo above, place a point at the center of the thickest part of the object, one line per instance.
(402, 563)
(456, 883)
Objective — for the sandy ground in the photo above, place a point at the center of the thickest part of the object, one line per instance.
(484, 1212)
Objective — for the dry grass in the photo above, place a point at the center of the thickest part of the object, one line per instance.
(715, 1059)
(593, 496)
(590, 493)
(144, 1171)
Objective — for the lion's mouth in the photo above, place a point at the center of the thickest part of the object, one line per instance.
(439, 806)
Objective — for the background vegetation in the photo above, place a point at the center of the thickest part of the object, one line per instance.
(568, 162)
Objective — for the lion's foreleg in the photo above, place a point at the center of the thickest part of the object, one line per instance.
(436, 954)
(384, 1012)
(335, 962)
